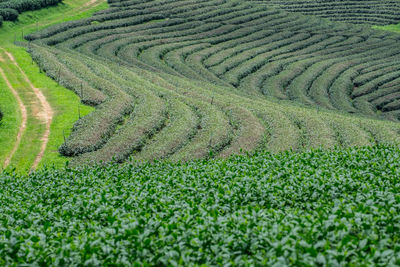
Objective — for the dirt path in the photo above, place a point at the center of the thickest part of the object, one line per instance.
(45, 113)
(91, 2)
(24, 115)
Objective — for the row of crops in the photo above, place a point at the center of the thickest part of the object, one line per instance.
(318, 208)
(195, 79)
(372, 12)
(10, 9)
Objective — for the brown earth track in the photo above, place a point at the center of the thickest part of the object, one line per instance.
(24, 116)
(45, 114)
(91, 2)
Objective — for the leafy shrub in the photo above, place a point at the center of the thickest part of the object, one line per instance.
(9, 14)
(9, 9)
(25, 5)
(337, 207)
(359, 12)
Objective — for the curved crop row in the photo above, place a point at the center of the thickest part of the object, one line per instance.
(360, 12)
(10, 9)
(194, 79)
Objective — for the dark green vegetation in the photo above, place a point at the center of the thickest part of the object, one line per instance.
(375, 12)
(194, 79)
(334, 208)
(9, 9)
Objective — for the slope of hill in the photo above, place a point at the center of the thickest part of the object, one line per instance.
(178, 80)
(190, 79)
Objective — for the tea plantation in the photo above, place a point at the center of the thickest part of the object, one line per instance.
(359, 12)
(221, 133)
(334, 208)
(180, 79)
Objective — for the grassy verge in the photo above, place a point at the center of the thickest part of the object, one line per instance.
(30, 141)
(64, 102)
(10, 122)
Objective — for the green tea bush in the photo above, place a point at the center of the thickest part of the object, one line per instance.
(358, 12)
(248, 55)
(10, 9)
(9, 14)
(63, 74)
(333, 208)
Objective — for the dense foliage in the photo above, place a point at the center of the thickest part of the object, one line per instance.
(9, 9)
(9, 14)
(319, 207)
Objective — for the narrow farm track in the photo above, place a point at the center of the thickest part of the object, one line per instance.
(43, 112)
(247, 74)
(24, 117)
(91, 2)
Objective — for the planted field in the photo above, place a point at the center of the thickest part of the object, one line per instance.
(196, 79)
(210, 132)
(372, 12)
(334, 208)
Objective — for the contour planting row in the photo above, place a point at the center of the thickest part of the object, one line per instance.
(155, 43)
(188, 79)
(180, 119)
(361, 12)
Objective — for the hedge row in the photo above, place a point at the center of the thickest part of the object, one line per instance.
(258, 50)
(10, 9)
(357, 12)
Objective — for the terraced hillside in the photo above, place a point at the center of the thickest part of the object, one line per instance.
(373, 12)
(194, 79)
